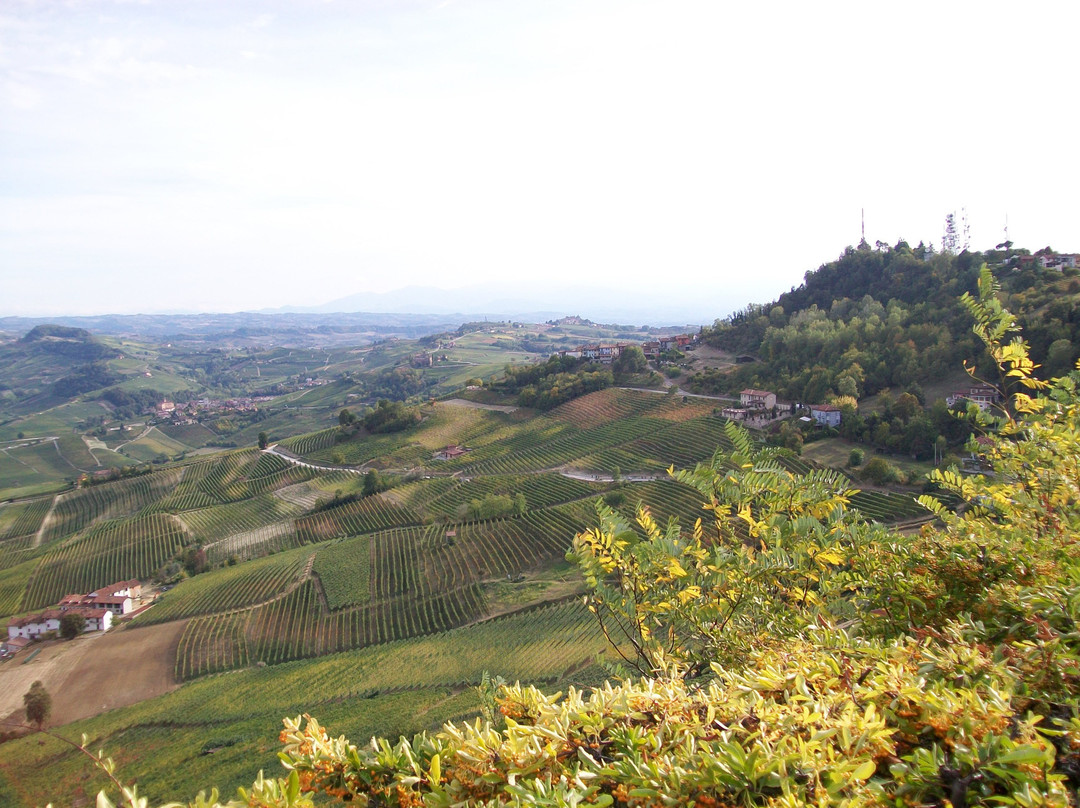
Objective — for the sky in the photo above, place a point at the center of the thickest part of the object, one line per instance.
(226, 155)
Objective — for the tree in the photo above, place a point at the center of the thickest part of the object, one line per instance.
(372, 483)
(345, 417)
(72, 624)
(1059, 357)
(855, 458)
(38, 704)
(631, 359)
(264, 440)
(880, 471)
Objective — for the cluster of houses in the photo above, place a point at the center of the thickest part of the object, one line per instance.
(757, 403)
(186, 413)
(606, 354)
(99, 608)
(1049, 260)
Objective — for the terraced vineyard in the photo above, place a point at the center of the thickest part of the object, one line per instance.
(230, 588)
(209, 525)
(22, 518)
(110, 551)
(305, 445)
(540, 490)
(364, 516)
(296, 627)
(885, 507)
(78, 509)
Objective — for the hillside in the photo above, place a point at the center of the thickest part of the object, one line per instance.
(347, 564)
(889, 318)
(295, 579)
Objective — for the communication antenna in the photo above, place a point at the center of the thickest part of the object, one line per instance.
(967, 228)
(863, 212)
(1006, 227)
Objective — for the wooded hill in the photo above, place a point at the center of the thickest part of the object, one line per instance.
(889, 318)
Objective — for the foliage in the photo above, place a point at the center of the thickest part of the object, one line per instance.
(880, 471)
(493, 506)
(680, 600)
(85, 378)
(390, 416)
(38, 704)
(548, 384)
(72, 624)
(631, 359)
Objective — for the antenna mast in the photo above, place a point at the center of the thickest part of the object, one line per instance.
(863, 212)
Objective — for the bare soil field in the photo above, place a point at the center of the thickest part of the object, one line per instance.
(706, 356)
(95, 672)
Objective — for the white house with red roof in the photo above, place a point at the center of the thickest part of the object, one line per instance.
(98, 607)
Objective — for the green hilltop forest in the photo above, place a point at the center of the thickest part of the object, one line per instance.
(696, 612)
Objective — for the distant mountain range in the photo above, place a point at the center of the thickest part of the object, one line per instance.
(537, 304)
(411, 312)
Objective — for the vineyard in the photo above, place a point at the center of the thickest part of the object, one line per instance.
(540, 645)
(363, 516)
(540, 490)
(311, 604)
(880, 506)
(13, 582)
(229, 588)
(22, 518)
(110, 551)
(78, 509)
(296, 626)
(305, 445)
(210, 525)
(606, 406)
(344, 568)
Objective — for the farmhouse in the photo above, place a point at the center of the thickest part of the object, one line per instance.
(825, 414)
(450, 452)
(35, 625)
(757, 399)
(118, 598)
(982, 396)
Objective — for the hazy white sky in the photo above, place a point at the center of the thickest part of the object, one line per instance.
(217, 155)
